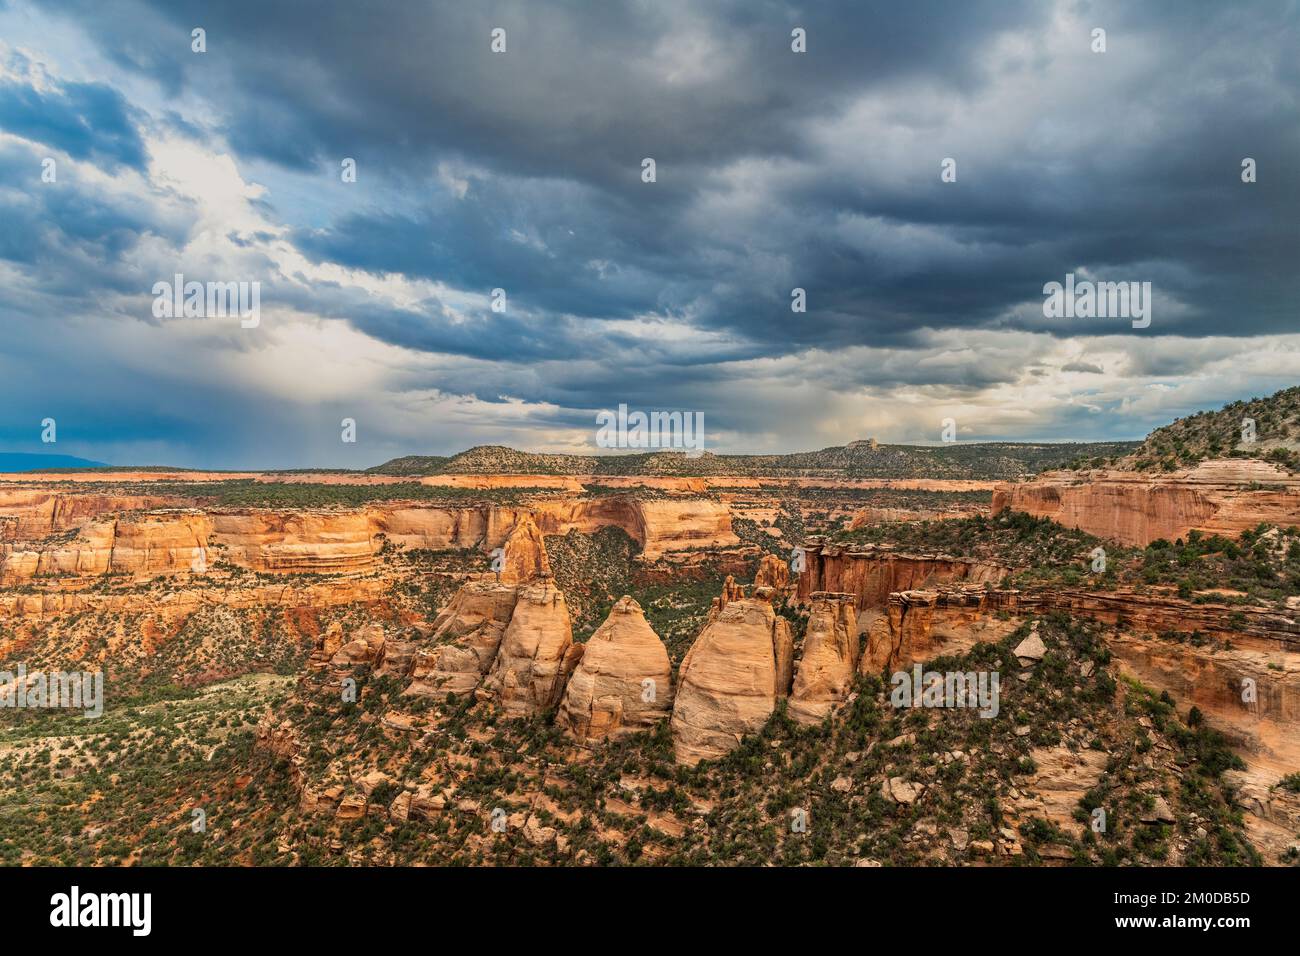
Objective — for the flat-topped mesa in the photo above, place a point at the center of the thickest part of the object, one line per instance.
(733, 676)
(623, 682)
(829, 662)
(467, 634)
(537, 652)
(525, 557)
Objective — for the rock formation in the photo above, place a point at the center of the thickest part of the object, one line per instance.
(537, 652)
(830, 658)
(772, 573)
(732, 677)
(467, 634)
(623, 681)
(1224, 497)
(872, 573)
(525, 557)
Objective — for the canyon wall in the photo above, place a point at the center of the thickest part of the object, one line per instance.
(1244, 674)
(50, 535)
(1217, 497)
(872, 573)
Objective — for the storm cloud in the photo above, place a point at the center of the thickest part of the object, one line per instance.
(522, 171)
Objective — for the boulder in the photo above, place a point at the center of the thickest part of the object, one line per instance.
(1031, 649)
(608, 693)
(537, 652)
(830, 657)
(732, 677)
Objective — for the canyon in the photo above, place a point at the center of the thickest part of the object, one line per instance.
(471, 605)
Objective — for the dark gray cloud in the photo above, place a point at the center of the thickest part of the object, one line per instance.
(775, 170)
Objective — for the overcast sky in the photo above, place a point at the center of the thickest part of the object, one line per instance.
(522, 170)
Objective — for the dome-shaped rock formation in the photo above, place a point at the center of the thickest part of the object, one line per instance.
(623, 681)
(537, 652)
(830, 657)
(732, 677)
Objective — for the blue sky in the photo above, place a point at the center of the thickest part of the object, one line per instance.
(522, 171)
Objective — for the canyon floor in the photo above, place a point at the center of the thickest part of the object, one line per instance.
(333, 669)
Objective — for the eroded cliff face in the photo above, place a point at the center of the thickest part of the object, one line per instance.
(623, 681)
(731, 678)
(80, 535)
(28, 514)
(658, 525)
(1217, 497)
(918, 625)
(871, 574)
(1244, 672)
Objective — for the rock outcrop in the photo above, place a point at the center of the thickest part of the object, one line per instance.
(525, 557)
(623, 681)
(772, 573)
(830, 658)
(467, 636)
(737, 670)
(872, 573)
(536, 655)
(1217, 497)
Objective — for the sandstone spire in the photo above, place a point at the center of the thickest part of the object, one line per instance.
(830, 657)
(772, 572)
(525, 554)
(537, 652)
(732, 677)
(624, 680)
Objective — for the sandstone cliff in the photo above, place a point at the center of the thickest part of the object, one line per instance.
(623, 681)
(732, 677)
(1218, 497)
(871, 573)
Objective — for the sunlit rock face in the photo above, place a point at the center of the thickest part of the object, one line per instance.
(623, 681)
(732, 677)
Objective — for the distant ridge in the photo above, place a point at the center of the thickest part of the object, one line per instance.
(26, 461)
(1210, 435)
(858, 459)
